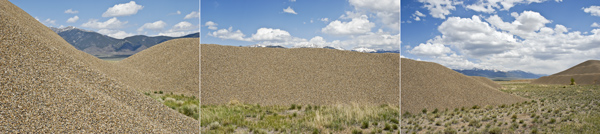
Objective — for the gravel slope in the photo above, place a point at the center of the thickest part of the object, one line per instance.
(487, 81)
(172, 66)
(275, 76)
(49, 86)
(587, 72)
(430, 85)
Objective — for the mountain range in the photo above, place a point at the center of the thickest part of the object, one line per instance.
(499, 74)
(105, 46)
(364, 50)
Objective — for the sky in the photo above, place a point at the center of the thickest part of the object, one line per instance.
(539, 36)
(346, 24)
(118, 18)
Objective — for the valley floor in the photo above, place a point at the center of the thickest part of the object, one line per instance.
(254, 118)
(552, 109)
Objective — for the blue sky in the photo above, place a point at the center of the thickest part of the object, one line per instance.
(118, 18)
(346, 24)
(539, 36)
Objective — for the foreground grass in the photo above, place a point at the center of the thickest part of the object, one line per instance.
(187, 105)
(552, 109)
(254, 118)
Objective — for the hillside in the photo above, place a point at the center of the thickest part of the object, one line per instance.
(427, 85)
(276, 76)
(172, 66)
(586, 73)
(51, 87)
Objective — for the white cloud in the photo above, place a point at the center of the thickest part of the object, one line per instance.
(439, 8)
(211, 25)
(417, 13)
(193, 14)
(124, 9)
(73, 19)
(115, 33)
(289, 10)
(228, 34)
(359, 25)
(378, 40)
(180, 29)
(324, 19)
(112, 23)
(155, 26)
(387, 11)
(525, 24)
(474, 37)
(269, 34)
(178, 12)
(595, 25)
(430, 49)
(292, 0)
(71, 11)
(594, 10)
(50, 21)
(490, 6)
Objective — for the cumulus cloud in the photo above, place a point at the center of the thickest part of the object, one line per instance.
(430, 49)
(289, 10)
(595, 25)
(377, 40)
(115, 33)
(125, 9)
(387, 11)
(180, 29)
(211, 25)
(155, 26)
(178, 12)
(490, 6)
(71, 11)
(50, 21)
(112, 23)
(193, 14)
(594, 10)
(440, 8)
(417, 15)
(494, 44)
(358, 25)
(474, 37)
(228, 34)
(73, 19)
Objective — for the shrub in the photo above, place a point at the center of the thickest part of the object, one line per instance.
(293, 107)
(449, 130)
(387, 127)
(475, 107)
(356, 131)
(572, 81)
(364, 125)
(424, 110)
(435, 111)
(161, 92)
(495, 130)
(395, 121)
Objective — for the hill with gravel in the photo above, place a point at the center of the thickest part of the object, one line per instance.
(48, 86)
(172, 66)
(585, 73)
(427, 85)
(276, 76)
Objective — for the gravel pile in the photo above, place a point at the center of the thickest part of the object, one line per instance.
(276, 76)
(171, 66)
(487, 81)
(430, 85)
(585, 73)
(46, 85)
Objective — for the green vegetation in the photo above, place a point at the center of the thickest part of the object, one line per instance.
(187, 105)
(572, 81)
(298, 118)
(551, 109)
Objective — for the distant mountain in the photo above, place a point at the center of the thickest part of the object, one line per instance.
(499, 74)
(101, 45)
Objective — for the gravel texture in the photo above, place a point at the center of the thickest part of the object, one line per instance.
(276, 76)
(47, 86)
(171, 66)
(430, 85)
(585, 73)
(487, 81)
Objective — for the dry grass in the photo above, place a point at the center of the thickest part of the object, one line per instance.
(427, 85)
(552, 109)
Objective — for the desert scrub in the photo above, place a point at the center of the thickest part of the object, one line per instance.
(280, 119)
(187, 105)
